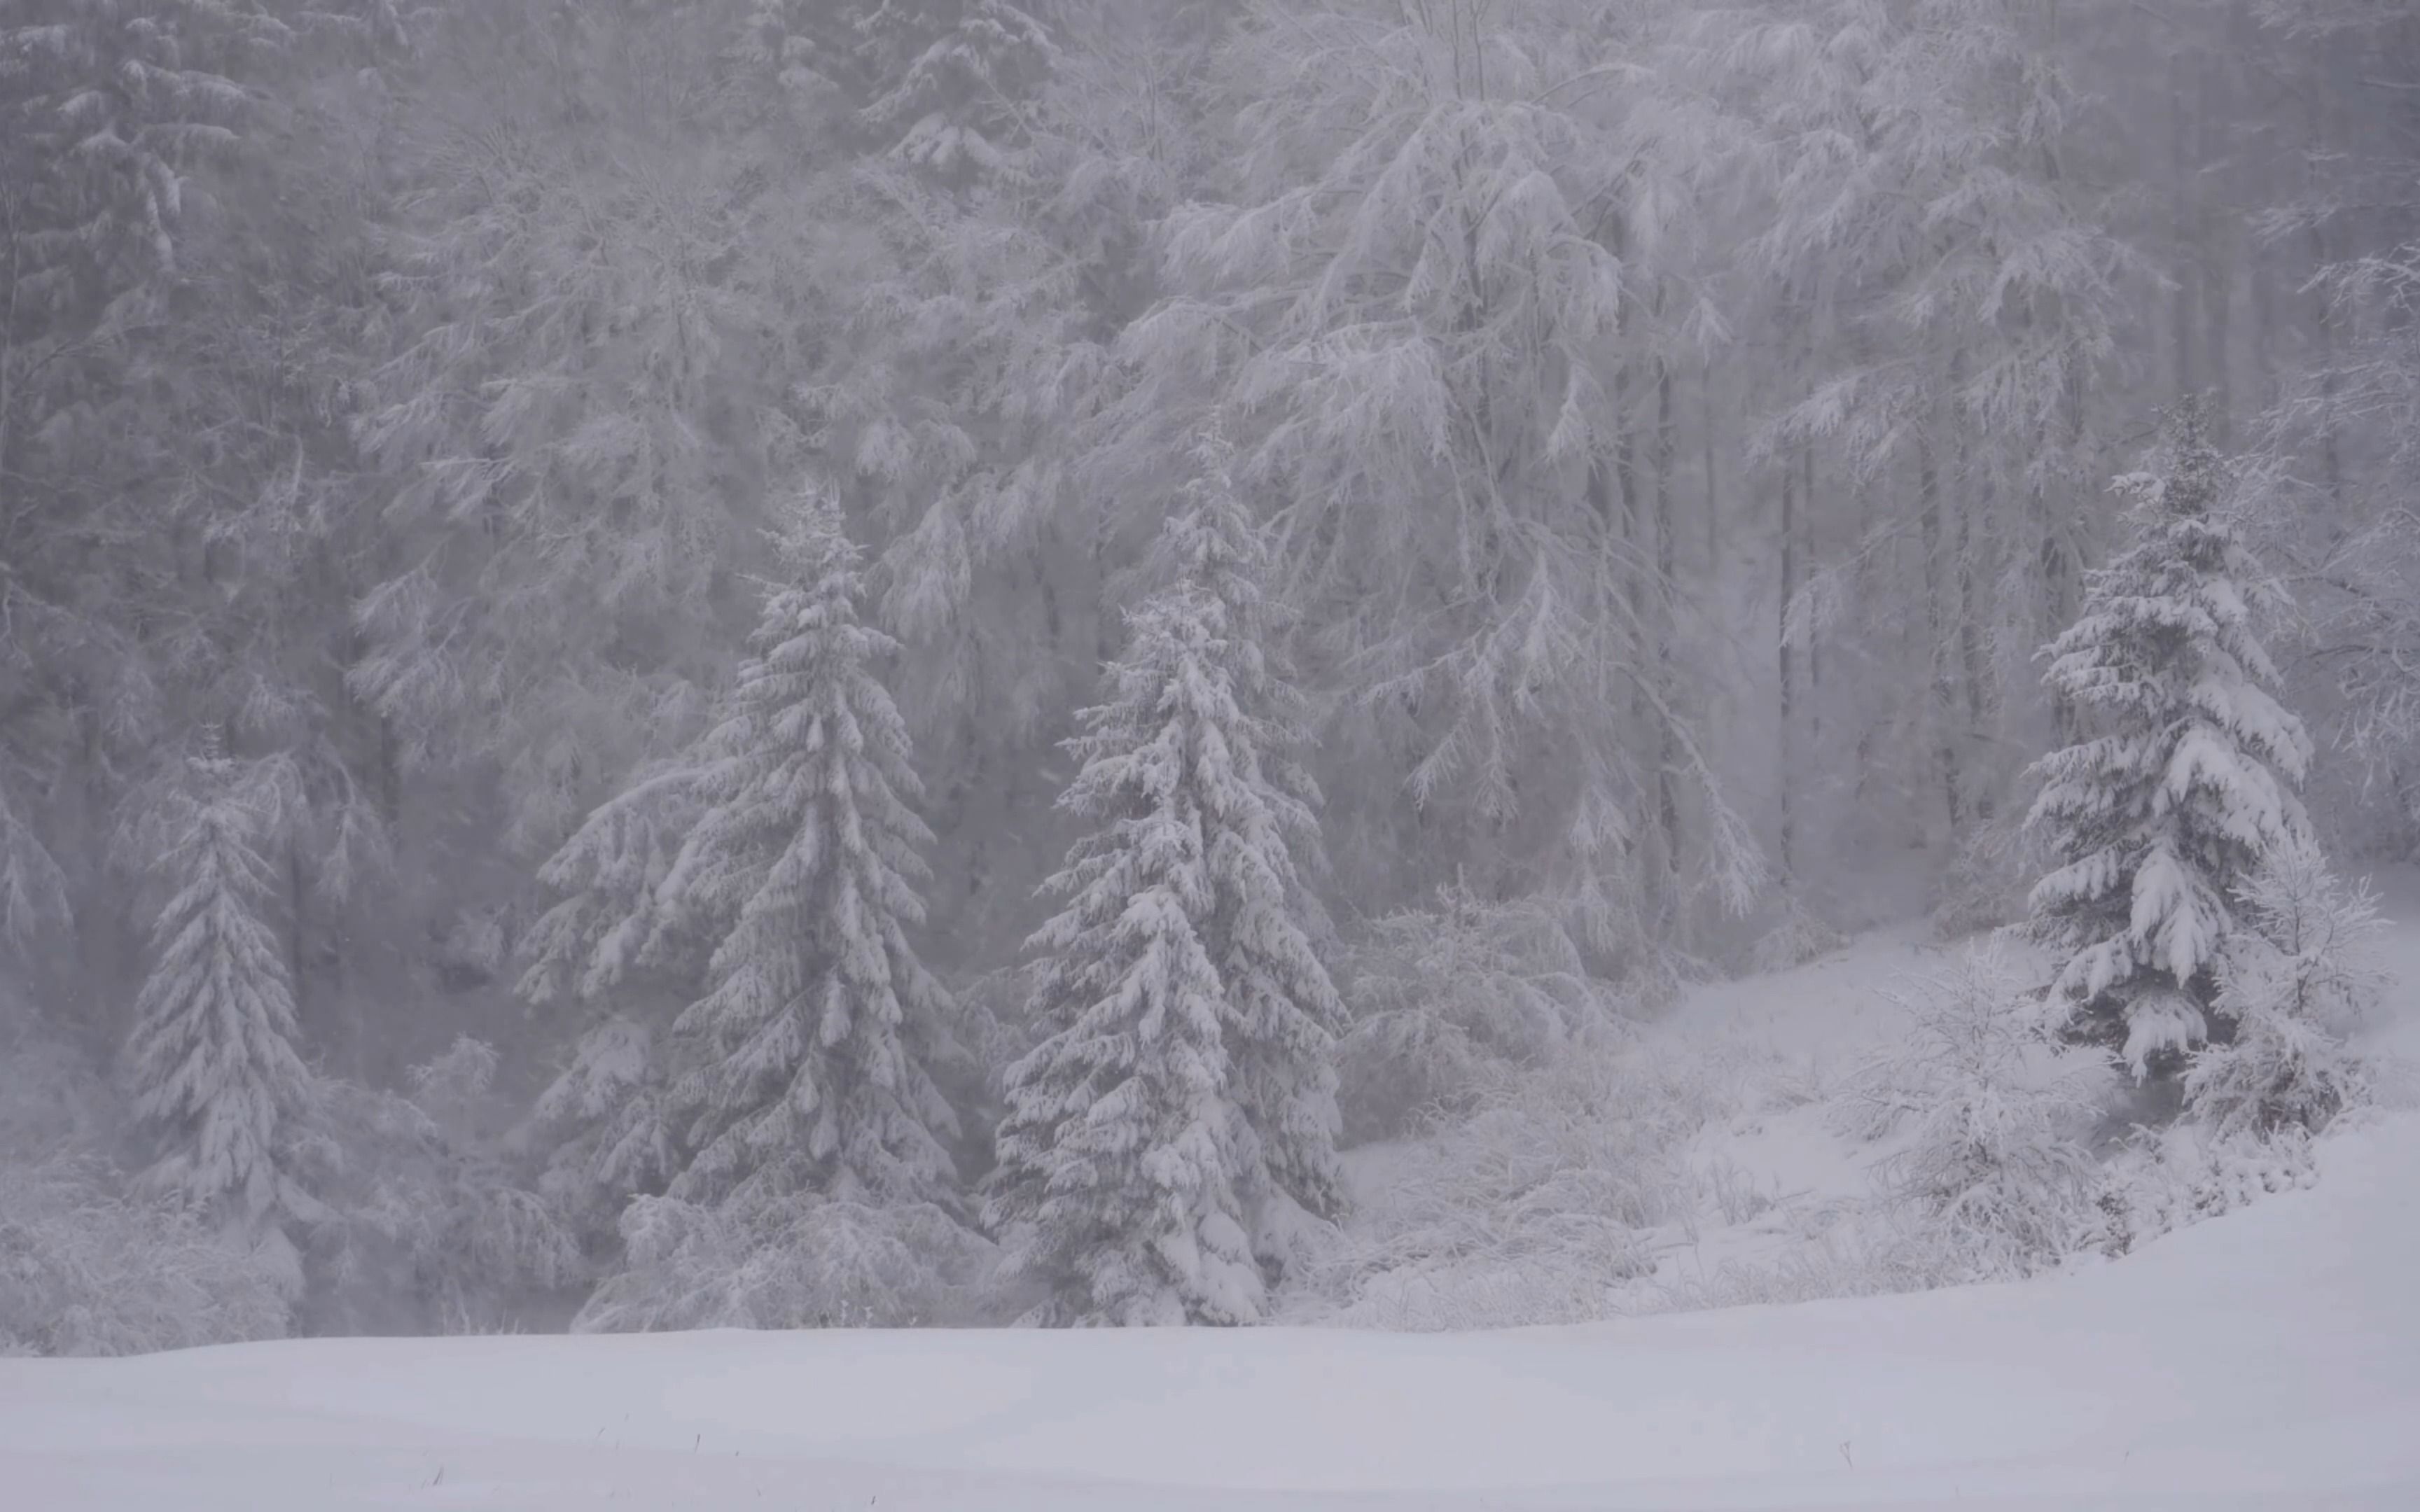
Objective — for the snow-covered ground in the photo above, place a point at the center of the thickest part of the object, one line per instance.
(2269, 1359)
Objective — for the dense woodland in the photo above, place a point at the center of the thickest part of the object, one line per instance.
(812, 661)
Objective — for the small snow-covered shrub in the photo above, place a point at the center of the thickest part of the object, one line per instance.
(1450, 1296)
(86, 1267)
(1551, 1193)
(1988, 1107)
(1874, 1255)
(420, 1227)
(2169, 1178)
(1796, 938)
(761, 1260)
(1446, 1000)
(2292, 982)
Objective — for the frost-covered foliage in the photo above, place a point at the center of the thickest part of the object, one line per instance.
(767, 878)
(955, 111)
(2169, 1178)
(2187, 776)
(609, 925)
(1836, 1250)
(2338, 449)
(579, 323)
(1799, 935)
(90, 1262)
(609, 944)
(1676, 423)
(605, 1124)
(1988, 1110)
(767, 1259)
(2295, 981)
(1165, 1141)
(1429, 272)
(1442, 1000)
(1911, 155)
(212, 1052)
(809, 1059)
(124, 101)
(1534, 1207)
(1552, 1199)
(87, 1267)
(421, 1226)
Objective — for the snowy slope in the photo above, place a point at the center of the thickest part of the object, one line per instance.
(2267, 1359)
(1796, 1034)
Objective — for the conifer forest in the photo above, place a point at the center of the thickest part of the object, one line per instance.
(670, 664)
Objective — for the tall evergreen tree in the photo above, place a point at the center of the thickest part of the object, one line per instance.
(2187, 780)
(212, 1051)
(808, 1064)
(1265, 808)
(1181, 1109)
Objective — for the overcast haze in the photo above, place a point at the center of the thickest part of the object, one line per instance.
(797, 663)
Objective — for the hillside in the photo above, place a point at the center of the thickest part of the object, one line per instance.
(2260, 1359)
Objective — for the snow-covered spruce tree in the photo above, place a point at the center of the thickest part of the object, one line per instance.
(1165, 1137)
(212, 1051)
(808, 1064)
(2186, 780)
(2291, 982)
(1266, 808)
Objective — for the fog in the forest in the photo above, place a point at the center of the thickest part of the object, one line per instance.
(668, 663)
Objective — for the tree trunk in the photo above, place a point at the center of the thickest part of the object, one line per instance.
(2216, 268)
(1806, 563)
(1936, 627)
(1972, 500)
(1713, 488)
(1667, 758)
(1787, 733)
(2183, 299)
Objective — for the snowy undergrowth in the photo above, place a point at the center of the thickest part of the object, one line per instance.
(1583, 1164)
(1555, 1187)
(86, 1265)
(1991, 1114)
(89, 1268)
(1892, 1117)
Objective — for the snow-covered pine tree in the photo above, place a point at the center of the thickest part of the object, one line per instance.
(212, 1051)
(1263, 827)
(1181, 1110)
(808, 1064)
(1122, 1148)
(2187, 778)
